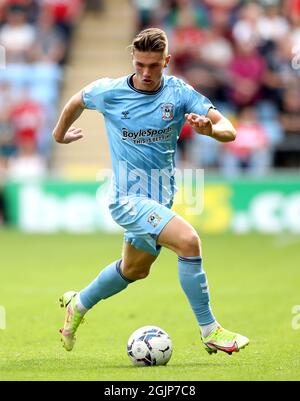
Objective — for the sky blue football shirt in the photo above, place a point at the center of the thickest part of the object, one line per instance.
(143, 129)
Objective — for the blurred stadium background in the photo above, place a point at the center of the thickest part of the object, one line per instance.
(243, 55)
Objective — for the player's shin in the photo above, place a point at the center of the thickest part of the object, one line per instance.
(194, 283)
(109, 282)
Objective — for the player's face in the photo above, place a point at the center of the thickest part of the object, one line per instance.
(149, 67)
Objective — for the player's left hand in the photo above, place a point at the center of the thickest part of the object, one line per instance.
(201, 124)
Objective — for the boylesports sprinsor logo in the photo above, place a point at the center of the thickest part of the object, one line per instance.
(146, 136)
(167, 111)
(154, 219)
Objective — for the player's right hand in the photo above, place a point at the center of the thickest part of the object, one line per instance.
(73, 134)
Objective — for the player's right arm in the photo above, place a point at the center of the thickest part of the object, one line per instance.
(63, 131)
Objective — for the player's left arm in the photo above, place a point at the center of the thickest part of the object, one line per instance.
(214, 124)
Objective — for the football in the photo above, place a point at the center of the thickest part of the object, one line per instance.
(149, 346)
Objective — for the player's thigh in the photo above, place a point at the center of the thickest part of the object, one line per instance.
(181, 237)
(137, 260)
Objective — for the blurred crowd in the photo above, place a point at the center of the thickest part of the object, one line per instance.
(35, 36)
(245, 56)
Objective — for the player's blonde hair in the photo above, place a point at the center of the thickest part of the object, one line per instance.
(150, 40)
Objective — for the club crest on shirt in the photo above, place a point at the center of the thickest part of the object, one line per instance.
(167, 111)
(154, 219)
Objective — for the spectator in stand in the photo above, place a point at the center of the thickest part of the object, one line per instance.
(186, 38)
(288, 152)
(250, 151)
(7, 137)
(289, 74)
(27, 164)
(245, 29)
(31, 7)
(147, 13)
(290, 116)
(295, 37)
(3, 5)
(65, 13)
(222, 15)
(6, 93)
(271, 25)
(246, 75)
(209, 74)
(216, 51)
(268, 116)
(292, 10)
(17, 35)
(280, 73)
(27, 117)
(204, 79)
(178, 9)
(49, 46)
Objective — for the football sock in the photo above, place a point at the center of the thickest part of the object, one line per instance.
(81, 309)
(206, 330)
(109, 282)
(194, 283)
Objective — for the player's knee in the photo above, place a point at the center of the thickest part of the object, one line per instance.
(136, 272)
(142, 274)
(189, 245)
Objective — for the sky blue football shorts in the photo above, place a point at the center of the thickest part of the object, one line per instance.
(143, 220)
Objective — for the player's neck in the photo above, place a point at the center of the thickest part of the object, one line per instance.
(139, 85)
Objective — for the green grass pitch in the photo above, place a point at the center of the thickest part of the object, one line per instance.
(254, 283)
